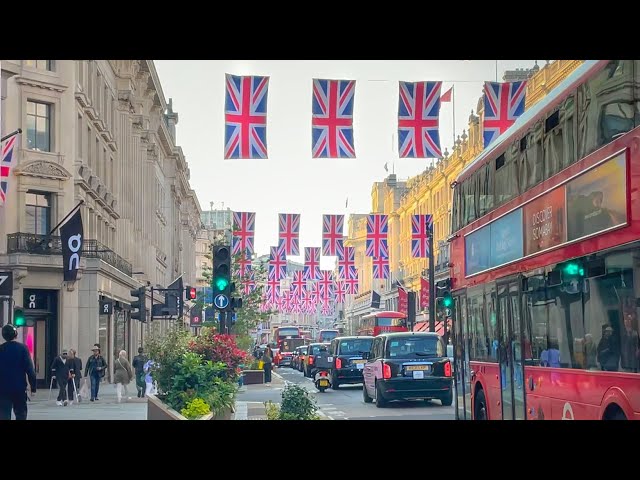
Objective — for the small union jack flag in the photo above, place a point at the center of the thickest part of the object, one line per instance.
(315, 293)
(346, 261)
(311, 263)
(341, 291)
(308, 303)
(244, 225)
(332, 123)
(352, 284)
(289, 230)
(332, 226)
(418, 119)
(326, 285)
(420, 229)
(327, 309)
(503, 104)
(5, 167)
(278, 261)
(272, 291)
(245, 117)
(242, 263)
(249, 282)
(377, 228)
(298, 285)
(381, 268)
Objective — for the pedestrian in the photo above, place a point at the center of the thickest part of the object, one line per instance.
(148, 378)
(75, 371)
(15, 367)
(138, 366)
(95, 369)
(267, 359)
(60, 370)
(122, 375)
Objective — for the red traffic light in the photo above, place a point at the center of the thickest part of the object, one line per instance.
(190, 293)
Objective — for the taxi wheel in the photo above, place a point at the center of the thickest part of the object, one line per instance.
(447, 400)
(365, 395)
(335, 384)
(380, 401)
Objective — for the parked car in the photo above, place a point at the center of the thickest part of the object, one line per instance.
(349, 358)
(407, 366)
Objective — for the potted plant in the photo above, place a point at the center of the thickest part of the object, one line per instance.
(252, 373)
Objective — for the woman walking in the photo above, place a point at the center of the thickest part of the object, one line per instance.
(267, 359)
(122, 375)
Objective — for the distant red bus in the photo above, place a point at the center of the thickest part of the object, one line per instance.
(282, 333)
(325, 336)
(382, 322)
(544, 253)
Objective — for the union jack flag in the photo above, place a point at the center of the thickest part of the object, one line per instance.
(315, 293)
(299, 284)
(284, 302)
(341, 292)
(243, 264)
(420, 227)
(326, 285)
(346, 261)
(5, 167)
(331, 234)
(289, 230)
(308, 303)
(245, 115)
(352, 285)
(244, 225)
(272, 290)
(418, 118)
(327, 309)
(311, 263)
(381, 268)
(278, 261)
(377, 228)
(249, 282)
(503, 104)
(332, 123)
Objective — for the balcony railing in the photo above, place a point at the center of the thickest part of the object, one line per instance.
(52, 245)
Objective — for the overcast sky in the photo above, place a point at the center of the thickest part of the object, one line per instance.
(290, 180)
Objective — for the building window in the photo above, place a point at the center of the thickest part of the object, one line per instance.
(38, 212)
(40, 64)
(39, 126)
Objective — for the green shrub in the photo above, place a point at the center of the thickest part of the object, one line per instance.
(273, 410)
(297, 404)
(196, 408)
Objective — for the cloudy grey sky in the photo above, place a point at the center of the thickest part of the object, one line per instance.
(290, 180)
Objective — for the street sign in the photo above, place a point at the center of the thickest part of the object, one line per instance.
(221, 301)
(106, 307)
(6, 284)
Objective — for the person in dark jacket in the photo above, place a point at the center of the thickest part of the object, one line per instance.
(15, 367)
(138, 366)
(75, 371)
(60, 370)
(95, 369)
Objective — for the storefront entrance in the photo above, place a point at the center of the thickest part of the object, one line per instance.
(41, 308)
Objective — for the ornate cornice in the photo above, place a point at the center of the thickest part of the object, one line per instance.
(31, 82)
(44, 169)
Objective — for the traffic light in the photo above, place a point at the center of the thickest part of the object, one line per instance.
(140, 304)
(236, 302)
(221, 275)
(190, 293)
(447, 299)
(18, 317)
(443, 291)
(573, 269)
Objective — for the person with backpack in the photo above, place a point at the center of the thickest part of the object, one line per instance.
(15, 367)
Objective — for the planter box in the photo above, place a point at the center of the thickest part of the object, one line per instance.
(252, 377)
(158, 410)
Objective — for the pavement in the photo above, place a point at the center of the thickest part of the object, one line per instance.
(106, 408)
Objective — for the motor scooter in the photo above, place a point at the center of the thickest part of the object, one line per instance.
(320, 373)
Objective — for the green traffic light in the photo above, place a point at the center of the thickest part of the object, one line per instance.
(221, 283)
(18, 319)
(573, 269)
(447, 301)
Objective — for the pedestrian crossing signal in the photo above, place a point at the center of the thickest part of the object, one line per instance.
(19, 320)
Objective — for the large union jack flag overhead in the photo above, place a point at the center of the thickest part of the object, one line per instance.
(311, 263)
(272, 289)
(341, 291)
(351, 285)
(332, 123)
(503, 104)
(245, 115)
(298, 285)
(381, 268)
(346, 261)
(418, 118)
(289, 230)
(331, 234)
(420, 228)
(278, 261)
(5, 167)
(244, 225)
(377, 228)
(326, 285)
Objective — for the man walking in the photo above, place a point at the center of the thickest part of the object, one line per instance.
(138, 366)
(60, 369)
(15, 366)
(95, 369)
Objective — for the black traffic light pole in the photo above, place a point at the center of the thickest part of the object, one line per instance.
(432, 284)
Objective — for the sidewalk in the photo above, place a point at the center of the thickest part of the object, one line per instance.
(250, 399)
(107, 408)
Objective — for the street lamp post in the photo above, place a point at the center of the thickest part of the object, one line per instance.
(432, 283)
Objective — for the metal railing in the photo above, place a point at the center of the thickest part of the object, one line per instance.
(52, 245)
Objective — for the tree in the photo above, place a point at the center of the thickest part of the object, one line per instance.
(249, 316)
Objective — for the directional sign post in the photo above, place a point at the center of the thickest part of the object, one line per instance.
(221, 301)
(6, 284)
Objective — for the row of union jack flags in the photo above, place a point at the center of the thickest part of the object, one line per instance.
(332, 116)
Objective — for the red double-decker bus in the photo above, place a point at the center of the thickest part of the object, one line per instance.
(545, 256)
(380, 322)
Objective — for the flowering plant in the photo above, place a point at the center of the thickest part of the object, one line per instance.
(219, 348)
